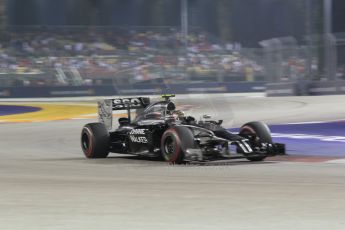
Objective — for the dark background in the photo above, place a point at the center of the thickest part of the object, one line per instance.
(245, 21)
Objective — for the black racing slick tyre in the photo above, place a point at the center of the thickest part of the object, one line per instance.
(174, 143)
(262, 133)
(95, 140)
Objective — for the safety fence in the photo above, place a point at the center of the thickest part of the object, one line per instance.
(138, 89)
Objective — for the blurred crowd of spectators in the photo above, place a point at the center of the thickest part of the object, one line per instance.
(96, 54)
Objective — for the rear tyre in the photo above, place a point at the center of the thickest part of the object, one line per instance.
(95, 140)
(174, 143)
(262, 133)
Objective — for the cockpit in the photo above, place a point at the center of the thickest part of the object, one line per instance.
(157, 111)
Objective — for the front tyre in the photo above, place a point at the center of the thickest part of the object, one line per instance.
(262, 133)
(174, 144)
(95, 140)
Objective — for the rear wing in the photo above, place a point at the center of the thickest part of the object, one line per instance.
(107, 106)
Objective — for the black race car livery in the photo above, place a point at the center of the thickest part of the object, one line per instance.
(160, 130)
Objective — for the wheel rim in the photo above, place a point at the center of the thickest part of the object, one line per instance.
(169, 147)
(85, 142)
(249, 131)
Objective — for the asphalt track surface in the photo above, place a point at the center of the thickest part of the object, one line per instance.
(46, 183)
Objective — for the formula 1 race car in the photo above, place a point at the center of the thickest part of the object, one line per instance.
(160, 130)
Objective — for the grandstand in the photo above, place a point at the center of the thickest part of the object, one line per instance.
(82, 55)
(53, 44)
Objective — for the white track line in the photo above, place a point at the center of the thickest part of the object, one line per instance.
(336, 161)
